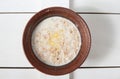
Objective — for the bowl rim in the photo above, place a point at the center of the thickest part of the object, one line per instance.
(81, 26)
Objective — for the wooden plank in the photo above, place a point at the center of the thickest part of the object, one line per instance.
(108, 73)
(105, 33)
(106, 6)
(105, 40)
(11, 31)
(27, 74)
(30, 5)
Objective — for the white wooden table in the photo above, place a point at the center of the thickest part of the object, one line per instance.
(102, 17)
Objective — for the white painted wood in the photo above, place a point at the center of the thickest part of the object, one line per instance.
(105, 73)
(105, 40)
(27, 74)
(30, 5)
(12, 27)
(11, 31)
(105, 33)
(110, 6)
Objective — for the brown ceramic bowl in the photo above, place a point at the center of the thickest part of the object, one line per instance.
(84, 33)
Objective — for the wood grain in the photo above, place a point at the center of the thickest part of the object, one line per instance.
(100, 6)
(27, 74)
(105, 73)
(30, 5)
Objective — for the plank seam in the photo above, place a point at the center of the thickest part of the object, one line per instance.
(78, 67)
(17, 68)
(76, 12)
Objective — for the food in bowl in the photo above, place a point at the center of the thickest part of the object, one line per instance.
(56, 41)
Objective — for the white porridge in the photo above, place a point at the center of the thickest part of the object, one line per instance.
(56, 41)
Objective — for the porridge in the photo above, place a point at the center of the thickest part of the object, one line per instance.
(56, 41)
